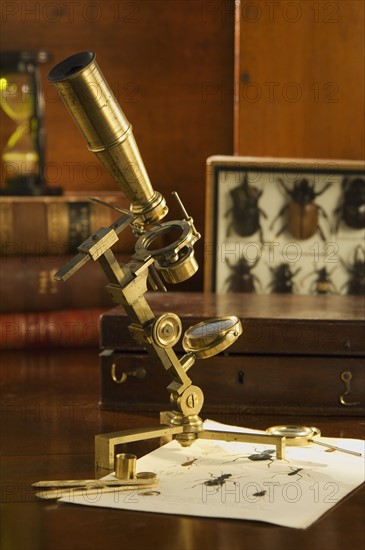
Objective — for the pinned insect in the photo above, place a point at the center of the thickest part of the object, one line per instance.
(303, 212)
(352, 210)
(242, 279)
(282, 279)
(355, 285)
(322, 284)
(245, 212)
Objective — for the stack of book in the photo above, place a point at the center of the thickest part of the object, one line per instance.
(38, 235)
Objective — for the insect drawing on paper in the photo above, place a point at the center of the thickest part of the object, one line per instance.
(259, 493)
(296, 472)
(178, 468)
(189, 463)
(258, 456)
(216, 481)
(263, 455)
(293, 471)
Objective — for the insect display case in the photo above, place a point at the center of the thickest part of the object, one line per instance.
(285, 226)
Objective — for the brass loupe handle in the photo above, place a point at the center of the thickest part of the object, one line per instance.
(107, 132)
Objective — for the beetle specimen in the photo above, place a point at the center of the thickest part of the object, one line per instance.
(282, 279)
(245, 212)
(356, 282)
(242, 279)
(303, 212)
(352, 209)
(322, 283)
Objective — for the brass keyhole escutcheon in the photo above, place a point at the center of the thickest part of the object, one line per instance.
(346, 377)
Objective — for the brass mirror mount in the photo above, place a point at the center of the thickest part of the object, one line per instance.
(108, 134)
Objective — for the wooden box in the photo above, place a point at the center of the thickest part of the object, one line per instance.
(297, 355)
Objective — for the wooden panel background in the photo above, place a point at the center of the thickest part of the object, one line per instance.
(163, 59)
(299, 82)
(298, 89)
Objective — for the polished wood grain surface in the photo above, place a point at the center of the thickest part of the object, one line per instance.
(49, 416)
(299, 82)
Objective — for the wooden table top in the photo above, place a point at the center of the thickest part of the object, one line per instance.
(50, 415)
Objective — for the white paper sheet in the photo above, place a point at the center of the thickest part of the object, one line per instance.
(221, 479)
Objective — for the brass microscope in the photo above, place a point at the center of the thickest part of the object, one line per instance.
(109, 135)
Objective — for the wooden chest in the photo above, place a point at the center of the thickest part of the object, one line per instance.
(296, 355)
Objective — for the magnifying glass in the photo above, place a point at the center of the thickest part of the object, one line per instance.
(303, 435)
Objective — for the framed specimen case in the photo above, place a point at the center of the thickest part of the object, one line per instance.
(284, 226)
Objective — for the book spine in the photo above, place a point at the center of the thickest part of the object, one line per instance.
(27, 284)
(55, 226)
(53, 329)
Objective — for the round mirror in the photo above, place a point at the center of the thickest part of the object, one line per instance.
(212, 336)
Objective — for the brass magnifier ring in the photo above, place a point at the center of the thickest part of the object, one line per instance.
(176, 261)
(146, 240)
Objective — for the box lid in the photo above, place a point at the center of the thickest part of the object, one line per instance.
(272, 324)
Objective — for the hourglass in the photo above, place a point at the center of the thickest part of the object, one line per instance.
(21, 101)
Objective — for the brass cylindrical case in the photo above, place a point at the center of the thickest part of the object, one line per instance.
(107, 131)
(125, 466)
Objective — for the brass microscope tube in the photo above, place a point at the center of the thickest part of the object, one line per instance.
(106, 130)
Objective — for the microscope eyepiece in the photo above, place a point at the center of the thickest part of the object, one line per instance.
(107, 131)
